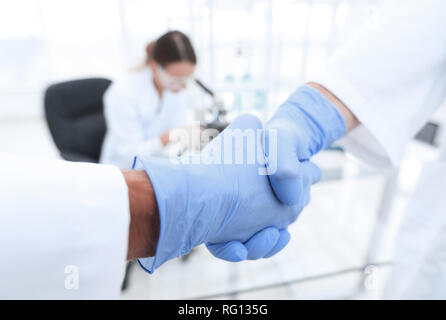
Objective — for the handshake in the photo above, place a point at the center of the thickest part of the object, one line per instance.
(247, 186)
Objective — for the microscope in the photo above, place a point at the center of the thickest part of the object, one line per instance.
(213, 117)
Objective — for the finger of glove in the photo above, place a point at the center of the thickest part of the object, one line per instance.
(262, 243)
(311, 174)
(233, 251)
(283, 166)
(284, 238)
(310, 171)
(280, 153)
(299, 188)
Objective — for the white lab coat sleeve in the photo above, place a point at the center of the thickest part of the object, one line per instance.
(392, 75)
(63, 229)
(184, 111)
(125, 137)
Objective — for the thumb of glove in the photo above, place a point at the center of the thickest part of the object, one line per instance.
(290, 178)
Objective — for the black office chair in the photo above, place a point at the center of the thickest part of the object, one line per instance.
(75, 117)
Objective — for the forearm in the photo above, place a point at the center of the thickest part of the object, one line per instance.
(351, 121)
(144, 216)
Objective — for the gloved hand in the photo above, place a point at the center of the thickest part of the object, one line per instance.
(220, 199)
(305, 124)
(263, 244)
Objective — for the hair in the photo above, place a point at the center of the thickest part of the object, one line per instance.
(173, 46)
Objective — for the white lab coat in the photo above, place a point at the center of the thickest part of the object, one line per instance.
(392, 75)
(63, 229)
(136, 117)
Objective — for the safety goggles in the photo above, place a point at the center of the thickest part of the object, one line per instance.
(172, 81)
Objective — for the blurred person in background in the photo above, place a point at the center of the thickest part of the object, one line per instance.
(144, 106)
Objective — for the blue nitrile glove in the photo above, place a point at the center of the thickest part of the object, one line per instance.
(305, 124)
(258, 246)
(220, 199)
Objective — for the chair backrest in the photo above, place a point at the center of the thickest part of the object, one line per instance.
(75, 115)
(429, 133)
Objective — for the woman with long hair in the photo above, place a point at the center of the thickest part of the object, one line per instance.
(143, 107)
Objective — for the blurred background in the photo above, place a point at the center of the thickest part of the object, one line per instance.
(253, 54)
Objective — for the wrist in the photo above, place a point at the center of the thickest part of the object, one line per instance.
(168, 181)
(188, 204)
(144, 217)
(350, 120)
(316, 120)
